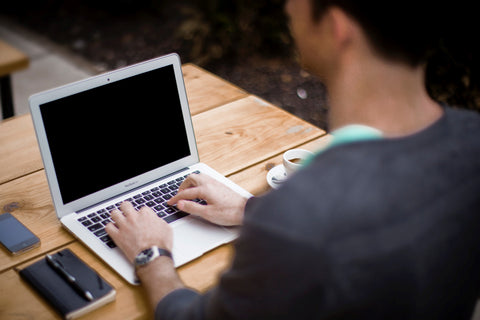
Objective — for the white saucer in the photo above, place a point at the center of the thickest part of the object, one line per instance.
(277, 172)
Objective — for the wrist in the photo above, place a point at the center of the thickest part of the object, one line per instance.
(240, 212)
(155, 267)
(159, 278)
(149, 255)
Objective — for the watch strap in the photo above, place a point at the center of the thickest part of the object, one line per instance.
(165, 253)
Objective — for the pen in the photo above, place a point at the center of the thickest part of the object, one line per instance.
(72, 281)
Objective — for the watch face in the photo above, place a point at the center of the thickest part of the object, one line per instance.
(144, 256)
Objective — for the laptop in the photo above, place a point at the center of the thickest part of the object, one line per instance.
(124, 135)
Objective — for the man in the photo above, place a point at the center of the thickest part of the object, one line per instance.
(385, 227)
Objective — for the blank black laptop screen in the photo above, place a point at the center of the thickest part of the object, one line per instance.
(111, 133)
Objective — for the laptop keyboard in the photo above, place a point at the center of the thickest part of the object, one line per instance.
(156, 198)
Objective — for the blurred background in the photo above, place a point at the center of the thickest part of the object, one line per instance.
(244, 41)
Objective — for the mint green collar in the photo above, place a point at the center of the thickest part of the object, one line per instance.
(354, 133)
(347, 134)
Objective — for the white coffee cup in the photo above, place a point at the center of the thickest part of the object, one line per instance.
(294, 159)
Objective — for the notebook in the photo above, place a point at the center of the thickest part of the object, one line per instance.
(60, 294)
(118, 135)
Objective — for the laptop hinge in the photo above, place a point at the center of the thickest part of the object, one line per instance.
(132, 190)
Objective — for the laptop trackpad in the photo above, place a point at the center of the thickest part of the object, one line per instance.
(193, 237)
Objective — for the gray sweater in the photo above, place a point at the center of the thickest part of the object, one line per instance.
(384, 229)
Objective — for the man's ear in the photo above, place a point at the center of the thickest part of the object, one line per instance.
(342, 26)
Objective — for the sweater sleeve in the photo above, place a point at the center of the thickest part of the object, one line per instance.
(254, 287)
(180, 304)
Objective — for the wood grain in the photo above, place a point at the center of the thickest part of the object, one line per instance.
(19, 153)
(206, 91)
(247, 131)
(28, 199)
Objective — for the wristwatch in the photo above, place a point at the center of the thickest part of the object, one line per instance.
(150, 254)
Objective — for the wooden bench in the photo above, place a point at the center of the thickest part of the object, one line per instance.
(11, 60)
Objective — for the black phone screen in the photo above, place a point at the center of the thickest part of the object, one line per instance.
(14, 235)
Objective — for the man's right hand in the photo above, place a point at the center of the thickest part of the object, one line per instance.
(224, 206)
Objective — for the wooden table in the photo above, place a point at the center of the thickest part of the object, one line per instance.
(11, 60)
(239, 134)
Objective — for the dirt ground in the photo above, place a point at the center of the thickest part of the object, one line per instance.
(114, 38)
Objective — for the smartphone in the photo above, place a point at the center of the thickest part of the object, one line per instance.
(14, 236)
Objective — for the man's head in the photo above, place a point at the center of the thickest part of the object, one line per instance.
(404, 31)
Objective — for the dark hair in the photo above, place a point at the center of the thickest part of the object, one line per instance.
(424, 32)
(404, 30)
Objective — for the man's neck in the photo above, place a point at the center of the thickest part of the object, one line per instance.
(389, 97)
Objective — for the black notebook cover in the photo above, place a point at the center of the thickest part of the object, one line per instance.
(56, 290)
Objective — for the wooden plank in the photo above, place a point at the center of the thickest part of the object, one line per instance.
(11, 59)
(254, 180)
(206, 91)
(28, 199)
(18, 148)
(248, 131)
